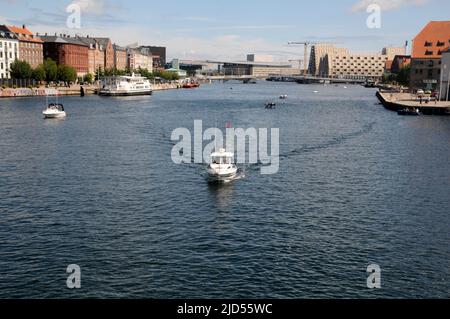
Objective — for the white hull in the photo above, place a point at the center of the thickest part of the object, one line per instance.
(54, 115)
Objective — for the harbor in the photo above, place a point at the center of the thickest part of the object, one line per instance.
(99, 188)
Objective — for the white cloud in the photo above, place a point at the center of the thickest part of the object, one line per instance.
(386, 4)
(94, 6)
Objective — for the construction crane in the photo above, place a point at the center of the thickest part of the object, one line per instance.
(307, 44)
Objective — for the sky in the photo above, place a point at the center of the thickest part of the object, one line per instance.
(228, 30)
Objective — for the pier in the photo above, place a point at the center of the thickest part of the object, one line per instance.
(399, 101)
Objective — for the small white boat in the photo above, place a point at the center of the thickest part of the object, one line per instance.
(283, 97)
(222, 168)
(54, 111)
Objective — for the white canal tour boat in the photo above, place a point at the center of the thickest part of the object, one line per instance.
(125, 86)
(222, 168)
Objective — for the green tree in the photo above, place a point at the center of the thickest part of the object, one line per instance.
(403, 76)
(21, 70)
(39, 73)
(66, 73)
(88, 78)
(51, 70)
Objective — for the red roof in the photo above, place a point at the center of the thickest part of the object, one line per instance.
(432, 40)
(24, 34)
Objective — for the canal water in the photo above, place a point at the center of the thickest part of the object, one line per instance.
(357, 185)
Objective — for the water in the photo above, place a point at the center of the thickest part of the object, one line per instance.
(357, 185)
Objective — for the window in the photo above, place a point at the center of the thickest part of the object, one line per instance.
(428, 44)
(440, 44)
(427, 52)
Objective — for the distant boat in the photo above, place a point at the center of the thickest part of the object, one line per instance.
(54, 111)
(409, 111)
(316, 91)
(283, 97)
(191, 85)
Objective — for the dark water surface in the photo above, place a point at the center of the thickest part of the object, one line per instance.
(357, 185)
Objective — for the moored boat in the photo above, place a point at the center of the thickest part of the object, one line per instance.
(409, 111)
(125, 86)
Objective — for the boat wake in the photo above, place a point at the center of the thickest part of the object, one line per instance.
(336, 141)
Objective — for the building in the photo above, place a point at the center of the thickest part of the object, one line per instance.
(391, 52)
(9, 51)
(159, 55)
(259, 58)
(64, 49)
(258, 69)
(444, 90)
(108, 52)
(400, 62)
(353, 66)
(428, 46)
(139, 59)
(320, 51)
(31, 47)
(96, 54)
(120, 57)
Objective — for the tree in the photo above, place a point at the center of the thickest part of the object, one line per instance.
(51, 70)
(39, 73)
(88, 78)
(403, 76)
(21, 70)
(66, 73)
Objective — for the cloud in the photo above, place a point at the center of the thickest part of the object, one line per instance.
(386, 4)
(97, 7)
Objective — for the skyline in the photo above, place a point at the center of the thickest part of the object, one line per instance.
(204, 30)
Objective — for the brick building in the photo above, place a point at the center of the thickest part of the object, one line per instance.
(67, 50)
(428, 46)
(120, 57)
(31, 47)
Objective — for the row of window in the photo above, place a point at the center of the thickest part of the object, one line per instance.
(10, 45)
(10, 55)
(438, 43)
(360, 58)
(31, 45)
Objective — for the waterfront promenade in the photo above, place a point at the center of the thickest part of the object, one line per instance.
(399, 101)
(73, 90)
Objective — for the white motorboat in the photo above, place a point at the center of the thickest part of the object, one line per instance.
(222, 168)
(54, 111)
(283, 97)
(125, 86)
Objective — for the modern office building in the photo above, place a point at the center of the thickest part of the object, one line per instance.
(320, 51)
(31, 47)
(353, 66)
(9, 51)
(428, 46)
